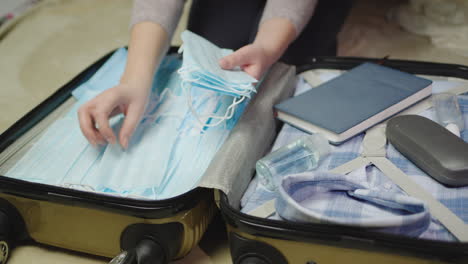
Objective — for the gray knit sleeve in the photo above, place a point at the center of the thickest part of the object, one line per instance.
(298, 12)
(163, 12)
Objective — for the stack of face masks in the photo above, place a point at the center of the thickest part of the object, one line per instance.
(167, 155)
(200, 69)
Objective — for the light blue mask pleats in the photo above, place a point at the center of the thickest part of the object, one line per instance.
(167, 155)
(201, 70)
(107, 76)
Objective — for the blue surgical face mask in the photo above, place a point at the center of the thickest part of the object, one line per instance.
(190, 155)
(147, 155)
(167, 155)
(53, 157)
(200, 69)
(204, 56)
(168, 152)
(106, 77)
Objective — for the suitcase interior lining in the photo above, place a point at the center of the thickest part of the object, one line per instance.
(243, 222)
(255, 232)
(17, 149)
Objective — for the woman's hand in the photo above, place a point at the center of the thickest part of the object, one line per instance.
(94, 115)
(254, 59)
(148, 44)
(272, 40)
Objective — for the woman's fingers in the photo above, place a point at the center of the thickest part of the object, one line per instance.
(240, 57)
(102, 125)
(251, 58)
(94, 118)
(254, 70)
(132, 118)
(88, 127)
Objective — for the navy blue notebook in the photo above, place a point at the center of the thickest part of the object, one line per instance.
(354, 101)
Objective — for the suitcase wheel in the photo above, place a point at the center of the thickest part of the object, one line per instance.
(12, 229)
(123, 258)
(147, 251)
(4, 251)
(248, 251)
(254, 260)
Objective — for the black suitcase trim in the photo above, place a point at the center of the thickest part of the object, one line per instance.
(414, 67)
(126, 206)
(351, 236)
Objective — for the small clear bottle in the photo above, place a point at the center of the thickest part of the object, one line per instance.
(448, 112)
(298, 156)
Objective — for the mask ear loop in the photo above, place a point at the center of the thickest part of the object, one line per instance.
(89, 188)
(86, 187)
(165, 94)
(152, 106)
(228, 114)
(244, 90)
(137, 197)
(233, 86)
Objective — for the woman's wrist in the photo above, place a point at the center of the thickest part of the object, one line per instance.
(274, 36)
(147, 47)
(137, 82)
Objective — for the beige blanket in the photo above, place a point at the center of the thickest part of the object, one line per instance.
(52, 44)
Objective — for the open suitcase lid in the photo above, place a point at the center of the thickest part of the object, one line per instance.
(329, 233)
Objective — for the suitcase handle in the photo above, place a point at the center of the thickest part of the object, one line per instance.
(147, 251)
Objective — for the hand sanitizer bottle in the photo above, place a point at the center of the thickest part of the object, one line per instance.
(448, 112)
(298, 156)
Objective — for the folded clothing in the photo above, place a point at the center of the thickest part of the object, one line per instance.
(456, 199)
(324, 197)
